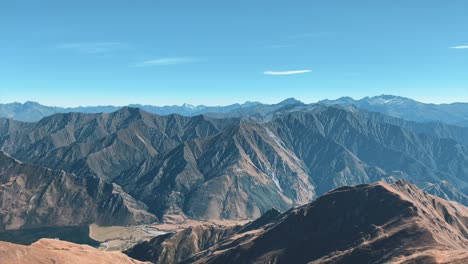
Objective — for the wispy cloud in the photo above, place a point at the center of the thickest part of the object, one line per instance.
(90, 47)
(165, 61)
(286, 72)
(460, 47)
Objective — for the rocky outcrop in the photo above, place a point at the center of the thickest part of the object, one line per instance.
(32, 196)
(176, 247)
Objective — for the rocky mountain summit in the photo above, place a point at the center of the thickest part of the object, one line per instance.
(370, 223)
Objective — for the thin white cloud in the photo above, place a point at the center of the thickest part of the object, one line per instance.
(90, 47)
(460, 47)
(286, 72)
(165, 61)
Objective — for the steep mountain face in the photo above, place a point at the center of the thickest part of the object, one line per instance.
(51, 251)
(446, 191)
(405, 108)
(32, 196)
(236, 173)
(102, 144)
(239, 168)
(372, 223)
(343, 147)
(176, 247)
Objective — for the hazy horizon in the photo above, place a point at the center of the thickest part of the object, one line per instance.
(214, 105)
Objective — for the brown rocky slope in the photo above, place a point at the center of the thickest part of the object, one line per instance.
(51, 251)
(370, 223)
(32, 196)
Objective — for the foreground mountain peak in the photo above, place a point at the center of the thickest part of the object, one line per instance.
(56, 251)
(368, 223)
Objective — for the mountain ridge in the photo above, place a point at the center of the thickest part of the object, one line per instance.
(32, 196)
(368, 223)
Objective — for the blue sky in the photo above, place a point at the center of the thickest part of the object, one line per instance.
(70, 53)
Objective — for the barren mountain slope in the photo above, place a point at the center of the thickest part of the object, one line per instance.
(370, 223)
(237, 174)
(366, 223)
(176, 247)
(51, 251)
(33, 196)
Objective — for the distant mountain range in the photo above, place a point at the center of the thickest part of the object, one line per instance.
(405, 108)
(229, 168)
(32, 111)
(375, 223)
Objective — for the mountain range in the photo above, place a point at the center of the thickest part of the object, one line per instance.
(234, 167)
(405, 108)
(396, 106)
(33, 111)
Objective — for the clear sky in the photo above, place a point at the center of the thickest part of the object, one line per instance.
(90, 52)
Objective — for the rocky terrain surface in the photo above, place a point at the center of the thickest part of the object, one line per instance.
(177, 246)
(52, 251)
(32, 196)
(370, 223)
(238, 168)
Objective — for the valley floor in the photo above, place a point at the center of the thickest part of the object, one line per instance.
(120, 238)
